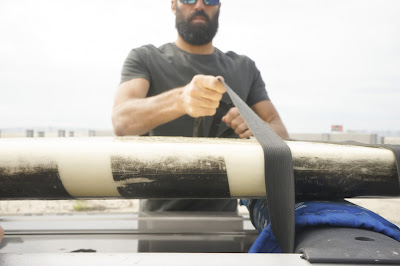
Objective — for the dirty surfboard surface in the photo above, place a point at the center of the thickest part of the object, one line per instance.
(178, 167)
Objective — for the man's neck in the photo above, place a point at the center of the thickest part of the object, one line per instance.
(194, 49)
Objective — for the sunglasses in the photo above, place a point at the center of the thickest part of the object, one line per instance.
(206, 2)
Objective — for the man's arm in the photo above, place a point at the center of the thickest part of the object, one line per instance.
(134, 114)
(1, 234)
(265, 110)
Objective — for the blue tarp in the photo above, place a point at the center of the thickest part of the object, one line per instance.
(317, 213)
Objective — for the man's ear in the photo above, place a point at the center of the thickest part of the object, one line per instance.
(173, 6)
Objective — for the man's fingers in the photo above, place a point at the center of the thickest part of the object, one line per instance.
(210, 94)
(202, 95)
(241, 128)
(237, 121)
(201, 111)
(220, 78)
(203, 103)
(246, 134)
(230, 116)
(205, 94)
(196, 107)
(234, 120)
(209, 82)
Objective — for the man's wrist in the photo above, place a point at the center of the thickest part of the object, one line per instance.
(179, 101)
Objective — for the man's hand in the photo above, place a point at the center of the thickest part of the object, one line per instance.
(234, 120)
(265, 110)
(202, 95)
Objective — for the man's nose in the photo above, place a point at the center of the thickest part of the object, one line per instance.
(199, 5)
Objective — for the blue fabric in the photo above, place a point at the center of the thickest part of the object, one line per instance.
(315, 213)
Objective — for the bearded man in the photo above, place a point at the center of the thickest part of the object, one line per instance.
(173, 90)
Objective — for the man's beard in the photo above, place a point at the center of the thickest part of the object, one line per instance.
(196, 33)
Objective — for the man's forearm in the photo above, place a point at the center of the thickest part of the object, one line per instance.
(138, 116)
(134, 114)
(279, 128)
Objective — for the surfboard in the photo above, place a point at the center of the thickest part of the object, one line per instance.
(178, 167)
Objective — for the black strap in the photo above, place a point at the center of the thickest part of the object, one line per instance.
(217, 120)
(279, 177)
(197, 132)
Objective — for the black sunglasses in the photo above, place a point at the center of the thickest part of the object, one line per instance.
(207, 2)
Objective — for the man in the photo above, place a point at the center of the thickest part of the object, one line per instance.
(1, 234)
(174, 90)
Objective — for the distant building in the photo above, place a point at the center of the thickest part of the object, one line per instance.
(29, 133)
(51, 132)
(61, 133)
(337, 128)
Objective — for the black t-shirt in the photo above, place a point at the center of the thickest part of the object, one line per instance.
(169, 67)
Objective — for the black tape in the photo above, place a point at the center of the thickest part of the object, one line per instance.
(28, 180)
(171, 177)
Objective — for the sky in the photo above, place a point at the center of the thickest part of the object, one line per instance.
(323, 62)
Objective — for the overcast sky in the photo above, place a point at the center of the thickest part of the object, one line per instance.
(324, 62)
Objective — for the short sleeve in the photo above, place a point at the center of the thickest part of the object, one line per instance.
(134, 67)
(257, 92)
